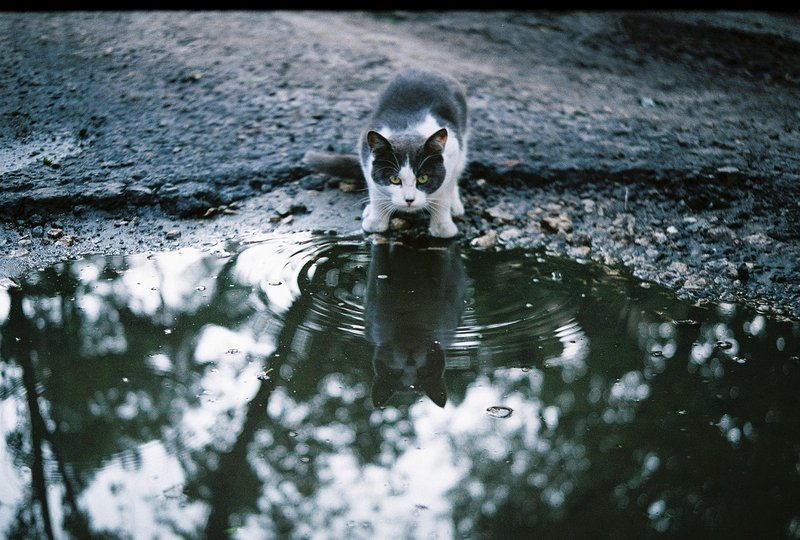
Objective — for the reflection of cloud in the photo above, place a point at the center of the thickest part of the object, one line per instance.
(5, 305)
(141, 504)
(165, 281)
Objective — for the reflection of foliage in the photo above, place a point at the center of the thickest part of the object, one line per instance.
(660, 451)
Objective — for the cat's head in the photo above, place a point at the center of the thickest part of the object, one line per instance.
(411, 368)
(408, 167)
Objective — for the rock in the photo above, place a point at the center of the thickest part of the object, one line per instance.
(347, 187)
(172, 234)
(55, 233)
(21, 252)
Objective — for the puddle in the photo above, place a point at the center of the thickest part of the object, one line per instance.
(303, 383)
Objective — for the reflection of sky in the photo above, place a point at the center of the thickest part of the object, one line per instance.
(13, 478)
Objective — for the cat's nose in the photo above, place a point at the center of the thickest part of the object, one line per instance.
(409, 200)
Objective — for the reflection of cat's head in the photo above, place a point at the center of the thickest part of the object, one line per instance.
(414, 302)
(417, 368)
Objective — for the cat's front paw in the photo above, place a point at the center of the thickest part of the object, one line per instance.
(445, 229)
(373, 223)
(457, 209)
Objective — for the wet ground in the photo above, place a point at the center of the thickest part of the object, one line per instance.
(663, 143)
(252, 389)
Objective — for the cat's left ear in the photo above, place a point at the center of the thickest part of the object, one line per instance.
(377, 142)
(436, 142)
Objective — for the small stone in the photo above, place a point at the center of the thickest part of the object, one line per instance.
(8, 283)
(21, 252)
(672, 229)
(647, 102)
(173, 234)
(55, 233)
(510, 234)
(679, 268)
(498, 213)
(694, 283)
(559, 223)
(399, 224)
(347, 187)
(581, 251)
(757, 239)
(729, 169)
(66, 240)
(288, 219)
(486, 241)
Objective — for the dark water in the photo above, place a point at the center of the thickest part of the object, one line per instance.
(319, 387)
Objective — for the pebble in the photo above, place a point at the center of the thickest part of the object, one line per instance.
(55, 233)
(173, 234)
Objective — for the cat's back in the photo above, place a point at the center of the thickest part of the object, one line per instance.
(414, 93)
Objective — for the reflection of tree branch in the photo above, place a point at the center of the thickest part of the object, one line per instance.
(232, 464)
(39, 432)
(17, 321)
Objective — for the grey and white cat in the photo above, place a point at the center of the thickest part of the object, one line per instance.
(411, 152)
(413, 306)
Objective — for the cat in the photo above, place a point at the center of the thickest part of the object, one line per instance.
(413, 305)
(411, 153)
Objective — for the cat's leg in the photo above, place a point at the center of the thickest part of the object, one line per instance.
(442, 225)
(374, 219)
(456, 206)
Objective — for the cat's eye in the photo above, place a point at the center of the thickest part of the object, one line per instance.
(394, 179)
(422, 178)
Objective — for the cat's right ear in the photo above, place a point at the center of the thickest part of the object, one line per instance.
(377, 142)
(381, 393)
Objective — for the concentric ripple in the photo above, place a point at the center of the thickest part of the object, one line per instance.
(515, 308)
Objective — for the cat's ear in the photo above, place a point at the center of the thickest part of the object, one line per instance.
(382, 392)
(436, 142)
(377, 142)
(437, 391)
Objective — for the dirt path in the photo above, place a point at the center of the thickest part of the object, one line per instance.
(665, 142)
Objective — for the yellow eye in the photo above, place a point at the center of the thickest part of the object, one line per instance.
(394, 179)
(422, 179)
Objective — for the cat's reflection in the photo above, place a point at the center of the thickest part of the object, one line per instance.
(414, 303)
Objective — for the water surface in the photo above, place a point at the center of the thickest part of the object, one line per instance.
(309, 386)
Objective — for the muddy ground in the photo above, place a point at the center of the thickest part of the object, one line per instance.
(664, 144)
